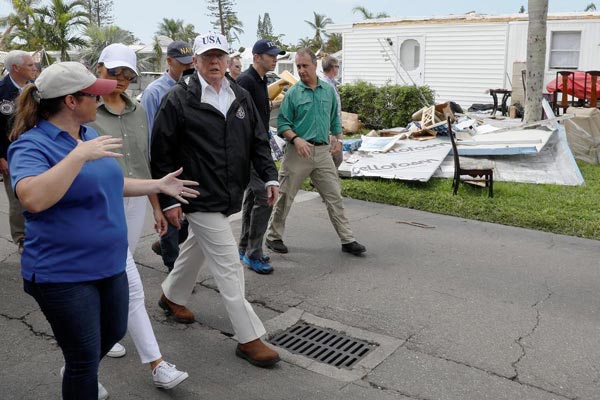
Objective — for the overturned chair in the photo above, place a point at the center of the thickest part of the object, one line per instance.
(476, 175)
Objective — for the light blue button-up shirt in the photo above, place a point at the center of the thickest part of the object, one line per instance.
(152, 96)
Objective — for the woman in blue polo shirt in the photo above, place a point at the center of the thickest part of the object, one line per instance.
(71, 187)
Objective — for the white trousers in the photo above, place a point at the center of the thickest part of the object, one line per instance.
(138, 324)
(211, 240)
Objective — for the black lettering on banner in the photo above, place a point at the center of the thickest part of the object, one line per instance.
(404, 165)
(419, 148)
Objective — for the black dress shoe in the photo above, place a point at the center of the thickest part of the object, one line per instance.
(354, 248)
(277, 246)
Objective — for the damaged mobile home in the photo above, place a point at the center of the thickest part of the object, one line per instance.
(461, 57)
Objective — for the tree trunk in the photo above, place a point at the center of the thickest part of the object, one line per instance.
(221, 19)
(536, 59)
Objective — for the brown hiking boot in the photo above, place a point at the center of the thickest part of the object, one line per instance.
(180, 314)
(257, 353)
(156, 248)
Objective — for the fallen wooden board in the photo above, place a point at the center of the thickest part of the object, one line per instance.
(515, 141)
(409, 160)
(555, 165)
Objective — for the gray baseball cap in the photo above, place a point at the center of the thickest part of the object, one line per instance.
(70, 77)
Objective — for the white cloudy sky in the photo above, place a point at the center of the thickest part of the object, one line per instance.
(142, 16)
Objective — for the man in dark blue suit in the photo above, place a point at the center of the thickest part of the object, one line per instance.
(21, 70)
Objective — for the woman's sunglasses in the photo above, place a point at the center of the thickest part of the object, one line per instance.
(79, 94)
(128, 74)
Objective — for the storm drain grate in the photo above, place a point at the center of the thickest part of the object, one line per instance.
(323, 345)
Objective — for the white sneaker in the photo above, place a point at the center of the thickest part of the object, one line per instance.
(102, 393)
(117, 351)
(166, 376)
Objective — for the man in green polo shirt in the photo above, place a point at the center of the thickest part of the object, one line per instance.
(308, 113)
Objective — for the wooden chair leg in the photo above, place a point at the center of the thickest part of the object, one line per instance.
(455, 183)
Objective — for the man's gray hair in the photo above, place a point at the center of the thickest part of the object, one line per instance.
(328, 63)
(14, 57)
(308, 52)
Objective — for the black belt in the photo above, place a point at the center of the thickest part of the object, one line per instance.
(317, 143)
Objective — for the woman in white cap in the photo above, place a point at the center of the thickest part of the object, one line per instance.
(71, 187)
(121, 117)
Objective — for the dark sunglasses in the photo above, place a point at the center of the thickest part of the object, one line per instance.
(81, 94)
(128, 74)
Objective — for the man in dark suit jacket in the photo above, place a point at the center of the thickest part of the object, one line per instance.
(21, 69)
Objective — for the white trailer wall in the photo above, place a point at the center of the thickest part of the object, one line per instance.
(460, 60)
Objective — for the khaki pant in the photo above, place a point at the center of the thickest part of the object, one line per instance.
(211, 241)
(15, 213)
(323, 173)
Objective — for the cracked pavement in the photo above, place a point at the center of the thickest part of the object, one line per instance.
(484, 311)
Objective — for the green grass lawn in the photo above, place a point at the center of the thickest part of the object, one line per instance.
(568, 210)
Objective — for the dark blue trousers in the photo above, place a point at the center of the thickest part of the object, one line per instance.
(87, 319)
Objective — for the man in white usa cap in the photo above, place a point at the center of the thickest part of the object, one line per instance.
(210, 125)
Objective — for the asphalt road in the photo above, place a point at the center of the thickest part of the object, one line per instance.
(477, 310)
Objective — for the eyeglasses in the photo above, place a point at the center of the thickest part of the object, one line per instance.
(128, 73)
(81, 94)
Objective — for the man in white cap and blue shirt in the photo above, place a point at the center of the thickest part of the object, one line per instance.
(179, 60)
(210, 126)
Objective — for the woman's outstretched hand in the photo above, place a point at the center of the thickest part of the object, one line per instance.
(99, 147)
(177, 188)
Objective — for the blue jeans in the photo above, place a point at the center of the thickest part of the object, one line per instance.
(170, 241)
(87, 319)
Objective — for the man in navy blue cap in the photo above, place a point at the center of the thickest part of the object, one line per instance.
(256, 211)
(179, 59)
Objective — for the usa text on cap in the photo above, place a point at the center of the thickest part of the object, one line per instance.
(210, 41)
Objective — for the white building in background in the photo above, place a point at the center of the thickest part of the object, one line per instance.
(462, 56)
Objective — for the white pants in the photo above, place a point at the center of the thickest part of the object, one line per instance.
(211, 240)
(138, 325)
(135, 213)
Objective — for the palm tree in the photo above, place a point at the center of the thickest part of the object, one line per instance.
(536, 58)
(334, 43)
(233, 28)
(18, 24)
(101, 36)
(156, 59)
(319, 24)
(590, 7)
(366, 14)
(176, 30)
(62, 18)
(305, 43)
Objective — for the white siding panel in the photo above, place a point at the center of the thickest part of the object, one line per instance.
(590, 44)
(461, 61)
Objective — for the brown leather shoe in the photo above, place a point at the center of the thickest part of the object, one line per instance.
(180, 314)
(257, 353)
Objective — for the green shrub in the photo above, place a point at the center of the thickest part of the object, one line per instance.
(383, 107)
